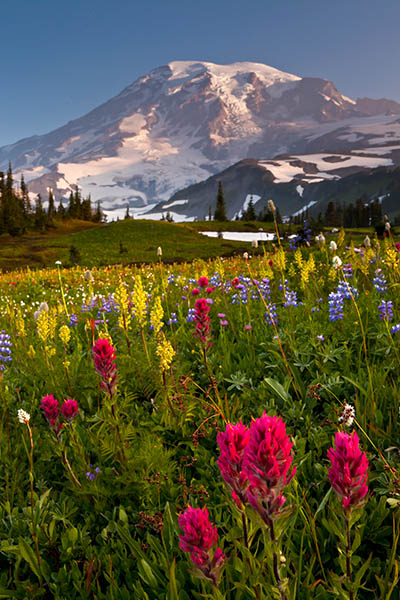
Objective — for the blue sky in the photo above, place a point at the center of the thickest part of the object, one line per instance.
(62, 58)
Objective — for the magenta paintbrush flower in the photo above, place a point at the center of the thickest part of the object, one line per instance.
(203, 282)
(202, 320)
(348, 472)
(50, 408)
(232, 444)
(199, 538)
(69, 409)
(267, 463)
(104, 363)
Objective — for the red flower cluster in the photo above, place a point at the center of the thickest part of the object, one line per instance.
(232, 444)
(202, 320)
(256, 464)
(199, 537)
(52, 412)
(348, 472)
(203, 282)
(104, 363)
(267, 463)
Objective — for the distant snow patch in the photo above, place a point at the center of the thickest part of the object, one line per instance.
(309, 205)
(241, 236)
(175, 203)
(299, 190)
(246, 204)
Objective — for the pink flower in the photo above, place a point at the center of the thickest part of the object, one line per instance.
(235, 281)
(348, 472)
(50, 409)
(267, 463)
(210, 290)
(203, 282)
(199, 537)
(232, 444)
(69, 409)
(202, 308)
(104, 363)
(195, 291)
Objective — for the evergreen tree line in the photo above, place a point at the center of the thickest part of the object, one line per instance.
(18, 214)
(364, 213)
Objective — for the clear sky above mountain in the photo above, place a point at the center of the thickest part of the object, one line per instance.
(62, 58)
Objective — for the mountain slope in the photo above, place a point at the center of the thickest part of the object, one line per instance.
(188, 120)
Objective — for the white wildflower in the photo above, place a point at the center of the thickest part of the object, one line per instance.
(367, 242)
(89, 276)
(320, 239)
(337, 262)
(333, 246)
(348, 415)
(271, 206)
(159, 251)
(23, 416)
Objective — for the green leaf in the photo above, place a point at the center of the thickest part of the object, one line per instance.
(278, 389)
(323, 502)
(28, 554)
(146, 573)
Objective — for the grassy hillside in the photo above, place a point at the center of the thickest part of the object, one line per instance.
(121, 242)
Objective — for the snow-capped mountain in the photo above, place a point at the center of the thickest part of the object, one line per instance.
(188, 120)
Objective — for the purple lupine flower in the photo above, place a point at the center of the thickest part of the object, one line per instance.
(336, 304)
(271, 316)
(5, 349)
(379, 282)
(386, 310)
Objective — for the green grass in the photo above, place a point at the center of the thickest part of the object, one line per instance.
(101, 244)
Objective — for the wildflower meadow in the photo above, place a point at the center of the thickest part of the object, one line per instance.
(222, 429)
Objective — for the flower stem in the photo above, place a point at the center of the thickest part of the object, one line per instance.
(34, 536)
(348, 556)
(275, 562)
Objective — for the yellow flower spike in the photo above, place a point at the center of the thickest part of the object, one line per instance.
(292, 270)
(64, 334)
(139, 301)
(332, 274)
(20, 323)
(122, 298)
(311, 264)
(391, 257)
(31, 352)
(341, 236)
(156, 315)
(305, 274)
(298, 257)
(165, 353)
(280, 259)
(43, 326)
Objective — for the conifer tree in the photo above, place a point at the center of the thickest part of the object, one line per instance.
(220, 209)
(86, 209)
(51, 209)
(98, 215)
(61, 213)
(25, 199)
(40, 215)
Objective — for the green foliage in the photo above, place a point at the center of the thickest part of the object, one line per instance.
(92, 513)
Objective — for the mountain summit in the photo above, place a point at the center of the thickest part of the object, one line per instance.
(188, 120)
